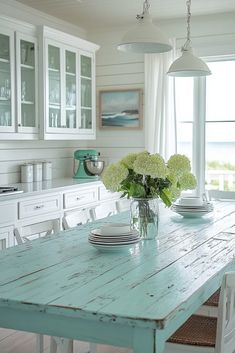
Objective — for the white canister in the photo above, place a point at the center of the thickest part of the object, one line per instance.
(37, 171)
(46, 170)
(26, 173)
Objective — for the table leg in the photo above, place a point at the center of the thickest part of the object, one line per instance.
(148, 341)
(144, 341)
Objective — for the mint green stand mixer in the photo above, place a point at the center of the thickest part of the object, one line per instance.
(88, 165)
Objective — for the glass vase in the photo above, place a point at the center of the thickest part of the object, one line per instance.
(144, 217)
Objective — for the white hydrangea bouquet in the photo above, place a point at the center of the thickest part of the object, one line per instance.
(147, 176)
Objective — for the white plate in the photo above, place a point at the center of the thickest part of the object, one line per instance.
(113, 248)
(112, 239)
(205, 206)
(115, 228)
(114, 244)
(99, 232)
(192, 214)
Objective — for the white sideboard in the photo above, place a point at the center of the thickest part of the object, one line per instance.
(48, 200)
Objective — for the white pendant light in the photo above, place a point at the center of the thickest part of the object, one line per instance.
(145, 37)
(188, 65)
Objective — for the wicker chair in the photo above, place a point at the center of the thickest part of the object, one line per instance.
(209, 334)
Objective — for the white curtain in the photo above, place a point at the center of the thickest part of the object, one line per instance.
(160, 119)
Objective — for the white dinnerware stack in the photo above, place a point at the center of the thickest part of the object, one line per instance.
(192, 207)
(113, 237)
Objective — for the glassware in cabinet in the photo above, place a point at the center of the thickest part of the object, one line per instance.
(27, 83)
(6, 81)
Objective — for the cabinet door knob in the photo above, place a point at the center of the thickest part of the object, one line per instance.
(19, 124)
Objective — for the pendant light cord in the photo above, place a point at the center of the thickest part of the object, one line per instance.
(146, 6)
(187, 44)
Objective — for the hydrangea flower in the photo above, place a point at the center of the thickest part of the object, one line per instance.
(153, 165)
(179, 164)
(129, 159)
(188, 181)
(114, 175)
(145, 175)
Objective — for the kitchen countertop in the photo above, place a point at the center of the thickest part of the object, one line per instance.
(42, 187)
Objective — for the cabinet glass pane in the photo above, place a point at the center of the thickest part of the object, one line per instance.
(54, 117)
(70, 65)
(4, 47)
(5, 93)
(27, 57)
(86, 92)
(54, 76)
(86, 119)
(85, 66)
(71, 119)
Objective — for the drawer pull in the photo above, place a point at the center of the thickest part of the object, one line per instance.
(38, 207)
(80, 198)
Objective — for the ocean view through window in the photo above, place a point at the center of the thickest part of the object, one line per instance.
(205, 113)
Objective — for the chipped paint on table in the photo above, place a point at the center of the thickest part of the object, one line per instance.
(62, 286)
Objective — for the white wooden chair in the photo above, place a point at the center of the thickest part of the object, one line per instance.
(104, 210)
(123, 205)
(201, 334)
(28, 233)
(76, 218)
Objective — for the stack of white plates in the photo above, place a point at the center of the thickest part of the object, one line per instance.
(192, 211)
(113, 238)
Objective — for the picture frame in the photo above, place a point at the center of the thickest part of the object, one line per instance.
(121, 109)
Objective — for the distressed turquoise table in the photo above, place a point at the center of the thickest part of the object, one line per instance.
(62, 286)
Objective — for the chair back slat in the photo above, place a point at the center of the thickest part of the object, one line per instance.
(36, 230)
(225, 335)
(104, 210)
(123, 205)
(75, 219)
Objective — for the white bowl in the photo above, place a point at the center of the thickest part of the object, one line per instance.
(115, 229)
(191, 201)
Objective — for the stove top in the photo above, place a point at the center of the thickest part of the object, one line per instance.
(9, 190)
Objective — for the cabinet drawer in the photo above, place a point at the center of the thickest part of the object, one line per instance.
(80, 197)
(107, 195)
(36, 207)
(8, 212)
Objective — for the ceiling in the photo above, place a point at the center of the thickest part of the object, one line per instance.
(106, 13)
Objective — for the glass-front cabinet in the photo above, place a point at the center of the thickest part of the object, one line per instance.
(18, 85)
(86, 91)
(70, 91)
(27, 85)
(7, 84)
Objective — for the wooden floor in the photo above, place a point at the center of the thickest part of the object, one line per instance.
(23, 342)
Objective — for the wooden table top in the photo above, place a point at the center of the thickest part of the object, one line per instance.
(156, 284)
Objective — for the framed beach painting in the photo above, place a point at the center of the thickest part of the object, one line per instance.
(121, 109)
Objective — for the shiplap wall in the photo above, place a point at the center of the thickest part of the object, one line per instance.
(116, 70)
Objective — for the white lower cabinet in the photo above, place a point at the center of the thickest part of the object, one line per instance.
(81, 198)
(34, 207)
(27, 210)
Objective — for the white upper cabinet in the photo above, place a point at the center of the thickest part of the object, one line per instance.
(27, 84)
(47, 83)
(69, 95)
(18, 81)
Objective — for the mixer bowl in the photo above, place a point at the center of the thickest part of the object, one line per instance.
(94, 167)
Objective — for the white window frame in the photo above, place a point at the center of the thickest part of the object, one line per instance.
(199, 125)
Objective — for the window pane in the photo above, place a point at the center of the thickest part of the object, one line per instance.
(220, 156)
(184, 139)
(220, 91)
(184, 98)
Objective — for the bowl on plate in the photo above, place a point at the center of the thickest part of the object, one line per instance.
(115, 229)
(190, 201)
